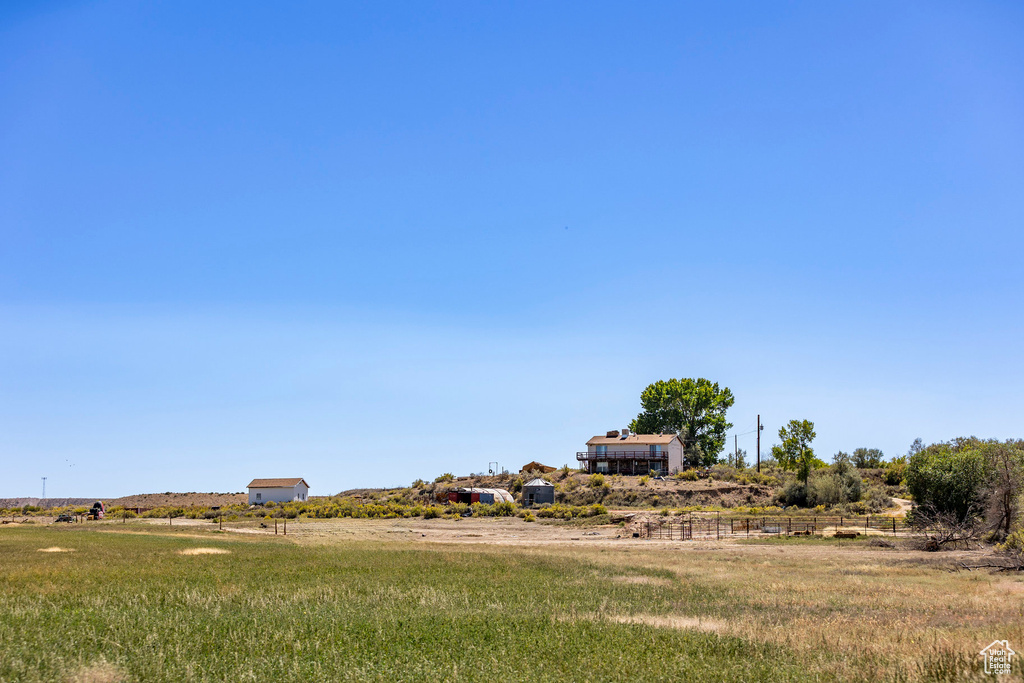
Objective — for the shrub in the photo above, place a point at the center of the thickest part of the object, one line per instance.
(793, 493)
(838, 485)
(1014, 542)
(644, 479)
(895, 472)
(446, 477)
(597, 509)
(687, 475)
(725, 472)
(432, 512)
(503, 509)
(529, 517)
(596, 480)
(876, 499)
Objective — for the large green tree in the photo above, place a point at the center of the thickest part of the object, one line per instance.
(949, 477)
(865, 458)
(971, 477)
(694, 408)
(795, 451)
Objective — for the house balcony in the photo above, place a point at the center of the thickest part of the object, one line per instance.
(624, 462)
(587, 456)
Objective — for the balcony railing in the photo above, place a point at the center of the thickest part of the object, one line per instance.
(585, 456)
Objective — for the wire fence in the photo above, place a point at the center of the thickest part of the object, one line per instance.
(716, 527)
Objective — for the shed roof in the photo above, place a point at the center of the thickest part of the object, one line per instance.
(640, 439)
(276, 483)
(537, 482)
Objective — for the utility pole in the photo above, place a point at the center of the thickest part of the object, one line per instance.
(759, 428)
(735, 450)
(44, 487)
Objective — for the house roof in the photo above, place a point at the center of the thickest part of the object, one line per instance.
(537, 467)
(639, 439)
(276, 483)
(537, 482)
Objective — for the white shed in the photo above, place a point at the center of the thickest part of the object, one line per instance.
(277, 490)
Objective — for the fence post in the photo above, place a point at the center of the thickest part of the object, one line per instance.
(867, 520)
(275, 526)
(790, 531)
(894, 526)
(285, 526)
(748, 527)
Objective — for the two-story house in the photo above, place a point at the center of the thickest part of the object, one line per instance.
(625, 453)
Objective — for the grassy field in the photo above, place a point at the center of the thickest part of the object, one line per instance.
(132, 603)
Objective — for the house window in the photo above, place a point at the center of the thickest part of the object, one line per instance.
(600, 450)
(258, 496)
(656, 466)
(602, 465)
(655, 448)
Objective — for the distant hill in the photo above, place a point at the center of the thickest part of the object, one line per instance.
(143, 500)
(46, 502)
(152, 500)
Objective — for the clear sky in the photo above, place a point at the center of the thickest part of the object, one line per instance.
(363, 243)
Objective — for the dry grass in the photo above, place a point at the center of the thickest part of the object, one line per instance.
(643, 580)
(880, 607)
(98, 672)
(674, 622)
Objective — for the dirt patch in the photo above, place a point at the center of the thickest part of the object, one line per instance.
(643, 580)
(204, 551)
(830, 531)
(56, 549)
(100, 672)
(662, 621)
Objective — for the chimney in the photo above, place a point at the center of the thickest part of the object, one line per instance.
(625, 432)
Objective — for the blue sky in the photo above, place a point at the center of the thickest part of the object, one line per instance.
(368, 242)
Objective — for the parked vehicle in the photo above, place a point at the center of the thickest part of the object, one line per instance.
(98, 510)
(64, 518)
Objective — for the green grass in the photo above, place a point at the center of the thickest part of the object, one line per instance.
(127, 606)
(275, 610)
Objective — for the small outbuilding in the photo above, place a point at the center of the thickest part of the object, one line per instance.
(536, 467)
(537, 492)
(277, 490)
(477, 495)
